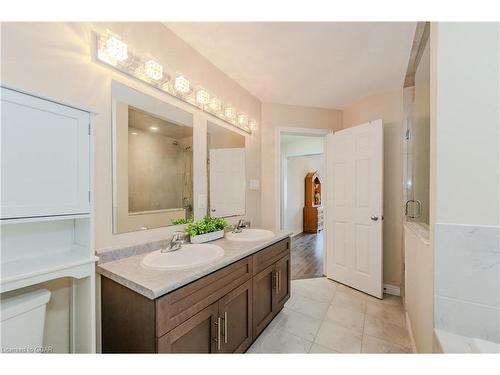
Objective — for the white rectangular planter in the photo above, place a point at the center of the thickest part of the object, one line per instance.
(207, 237)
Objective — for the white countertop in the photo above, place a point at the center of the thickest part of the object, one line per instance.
(153, 284)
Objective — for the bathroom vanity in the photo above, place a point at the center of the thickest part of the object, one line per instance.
(218, 308)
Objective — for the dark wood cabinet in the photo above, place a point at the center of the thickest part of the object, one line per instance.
(282, 282)
(198, 334)
(264, 297)
(235, 312)
(222, 312)
(271, 290)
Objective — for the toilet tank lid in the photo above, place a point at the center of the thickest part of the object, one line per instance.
(21, 303)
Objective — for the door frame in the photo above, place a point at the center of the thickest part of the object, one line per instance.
(310, 132)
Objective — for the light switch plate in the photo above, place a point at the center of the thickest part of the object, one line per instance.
(254, 184)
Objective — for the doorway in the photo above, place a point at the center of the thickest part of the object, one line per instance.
(302, 153)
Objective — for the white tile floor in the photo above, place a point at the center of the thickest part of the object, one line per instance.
(323, 316)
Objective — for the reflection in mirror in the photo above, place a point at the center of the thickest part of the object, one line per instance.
(153, 169)
(160, 159)
(227, 173)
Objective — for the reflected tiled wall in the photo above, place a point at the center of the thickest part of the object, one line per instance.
(467, 280)
(157, 169)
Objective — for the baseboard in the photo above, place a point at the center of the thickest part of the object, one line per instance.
(392, 290)
(410, 332)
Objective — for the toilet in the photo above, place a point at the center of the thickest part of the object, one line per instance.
(22, 321)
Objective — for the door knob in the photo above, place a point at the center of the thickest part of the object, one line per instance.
(374, 218)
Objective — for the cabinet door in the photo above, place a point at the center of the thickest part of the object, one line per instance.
(45, 157)
(198, 334)
(264, 286)
(283, 282)
(235, 311)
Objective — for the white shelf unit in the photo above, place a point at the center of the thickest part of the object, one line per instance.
(46, 205)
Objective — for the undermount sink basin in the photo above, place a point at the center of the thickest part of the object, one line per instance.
(250, 235)
(188, 256)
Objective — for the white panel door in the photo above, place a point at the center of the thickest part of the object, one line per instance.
(227, 182)
(45, 157)
(354, 207)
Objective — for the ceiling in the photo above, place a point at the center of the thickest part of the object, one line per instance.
(317, 64)
(138, 119)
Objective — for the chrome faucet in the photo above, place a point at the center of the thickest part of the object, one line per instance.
(178, 239)
(238, 228)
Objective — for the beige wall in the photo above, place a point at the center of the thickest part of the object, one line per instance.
(276, 116)
(63, 69)
(389, 108)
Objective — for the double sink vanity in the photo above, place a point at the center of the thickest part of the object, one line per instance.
(215, 297)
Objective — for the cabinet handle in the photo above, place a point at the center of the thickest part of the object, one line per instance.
(279, 281)
(225, 327)
(218, 333)
(276, 275)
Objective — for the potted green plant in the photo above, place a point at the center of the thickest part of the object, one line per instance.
(182, 221)
(206, 229)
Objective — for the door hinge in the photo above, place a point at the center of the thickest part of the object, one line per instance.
(89, 196)
(89, 128)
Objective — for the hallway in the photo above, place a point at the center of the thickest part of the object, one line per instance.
(307, 256)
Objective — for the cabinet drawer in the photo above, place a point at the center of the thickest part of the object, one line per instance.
(181, 304)
(270, 255)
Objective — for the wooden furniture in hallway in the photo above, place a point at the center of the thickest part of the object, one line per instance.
(313, 210)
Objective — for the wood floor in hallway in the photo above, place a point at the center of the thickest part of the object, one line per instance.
(307, 256)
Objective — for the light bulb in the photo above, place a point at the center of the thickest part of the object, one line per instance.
(229, 112)
(252, 123)
(242, 119)
(153, 70)
(214, 104)
(116, 49)
(202, 96)
(182, 84)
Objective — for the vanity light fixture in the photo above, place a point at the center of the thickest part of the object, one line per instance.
(242, 119)
(229, 113)
(113, 51)
(215, 105)
(116, 49)
(182, 84)
(202, 96)
(153, 70)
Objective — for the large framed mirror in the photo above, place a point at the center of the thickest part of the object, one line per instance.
(226, 172)
(152, 162)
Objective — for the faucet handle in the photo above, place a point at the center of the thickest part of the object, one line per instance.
(242, 223)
